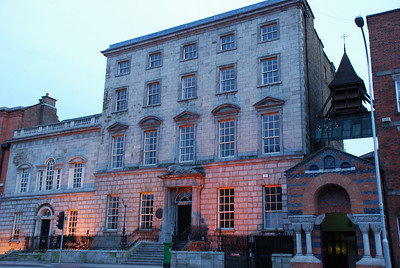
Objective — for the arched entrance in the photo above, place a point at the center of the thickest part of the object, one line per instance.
(183, 201)
(338, 232)
(43, 226)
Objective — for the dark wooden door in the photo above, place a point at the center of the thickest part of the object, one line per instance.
(44, 234)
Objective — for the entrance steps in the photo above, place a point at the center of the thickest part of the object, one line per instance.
(148, 253)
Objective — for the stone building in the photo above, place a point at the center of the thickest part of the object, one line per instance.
(199, 124)
(44, 112)
(384, 40)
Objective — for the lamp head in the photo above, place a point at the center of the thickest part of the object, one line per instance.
(359, 21)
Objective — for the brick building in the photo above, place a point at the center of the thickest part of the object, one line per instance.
(44, 112)
(384, 39)
(199, 124)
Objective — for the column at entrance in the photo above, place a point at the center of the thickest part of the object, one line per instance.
(365, 223)
(195, 225)
(305, 222)
(167, 228)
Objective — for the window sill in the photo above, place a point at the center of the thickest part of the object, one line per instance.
(270, 84)
(226, 50)
(150, 106)
(117, 112)
(183, 100)
(226, 92)
(224, 231)
(269, 40)
(118, 75)
(153, 67)
(183, 60)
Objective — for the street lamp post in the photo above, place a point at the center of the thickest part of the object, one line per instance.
(386, 251)
(123, 240)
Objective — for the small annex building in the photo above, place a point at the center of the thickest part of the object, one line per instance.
(334, 210)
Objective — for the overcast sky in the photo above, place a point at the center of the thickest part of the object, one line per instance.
(50, 46)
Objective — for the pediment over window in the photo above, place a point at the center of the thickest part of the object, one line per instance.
(268, 102)
(25, 166)
(225, 109)
(117, 127)
(77, 159)
(185, 116)
(150, 121)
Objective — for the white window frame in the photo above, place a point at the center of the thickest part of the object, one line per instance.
(226, 42)
(121, 99)
(117, 153)
(225, 139)
(186, 143)
(112, 212)
(223, 79)
(16, 231)
(153, 60)
(273, 73)
(152, 92)
(269, 135)
(49, 176)
(72, 222)
(273, 32)
(150, 146)
(23, 180)
(273, 207)
(77, 175)
(190, 51)
(146, 211)
(226, 208)
(123, 67)
(188, 84)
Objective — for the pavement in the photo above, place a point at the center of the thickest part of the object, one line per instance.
(15, 264)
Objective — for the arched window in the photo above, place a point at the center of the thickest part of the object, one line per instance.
(329, 162)
(49, 177)
(314, 168)
(345, 165)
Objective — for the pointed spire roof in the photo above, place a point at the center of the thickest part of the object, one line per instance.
(345, 74)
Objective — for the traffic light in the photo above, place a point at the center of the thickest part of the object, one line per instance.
(60, 220)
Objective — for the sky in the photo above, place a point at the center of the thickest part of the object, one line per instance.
(53, 46)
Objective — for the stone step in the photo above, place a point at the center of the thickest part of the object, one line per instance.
(147, 254)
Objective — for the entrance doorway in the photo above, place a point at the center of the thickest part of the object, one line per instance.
(184, 214)
(339, 241)
(184, 218)
(44, 234)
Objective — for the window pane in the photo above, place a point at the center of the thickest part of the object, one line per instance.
(188, 87)
(117, 151)
(273, 207)
(228, 42)
(227, 138)
(227, 79)
(147, 211)
(123, 67)
(269, 32)
(72, 222)
(155, 60)
(186, 144)
(24, 180)
(190, 51)
(112, 212)
(269, 70)
(153, 94)
(121, 100)
(271, 133)
(150, 147)
(77, 176)
(226, 208)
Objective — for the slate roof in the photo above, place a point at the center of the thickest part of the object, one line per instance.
(345, 74)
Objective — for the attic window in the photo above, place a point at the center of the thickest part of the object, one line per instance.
(345, 165)
(329, 162)
(313, 168)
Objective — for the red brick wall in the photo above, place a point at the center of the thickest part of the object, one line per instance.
(384, 38)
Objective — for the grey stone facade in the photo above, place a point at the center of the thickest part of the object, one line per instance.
(295, 96)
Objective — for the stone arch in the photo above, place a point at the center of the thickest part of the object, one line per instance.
(332, 198)
(42, 210)
(184, 195)
(310, 199)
